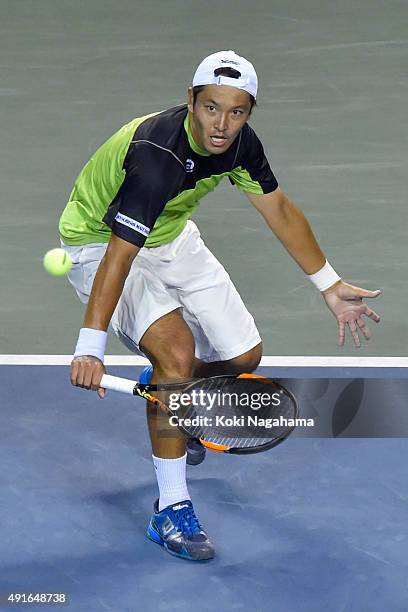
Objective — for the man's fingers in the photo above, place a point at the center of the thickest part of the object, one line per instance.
(371, 294)
(96, 378)
(342, 333)
(86, 372)
(366, 332)
(353, 330)
(80, 375)
(74, 372)
(101, 392)
(88, 375)
(366, 292)
(373, 315)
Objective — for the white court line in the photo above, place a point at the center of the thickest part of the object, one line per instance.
(267, 361)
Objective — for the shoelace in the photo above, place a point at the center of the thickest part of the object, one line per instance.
(186, 521)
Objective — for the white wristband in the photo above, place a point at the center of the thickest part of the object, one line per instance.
(325, 277)
(91, 342)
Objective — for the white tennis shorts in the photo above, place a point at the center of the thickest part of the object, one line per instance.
(182, 274)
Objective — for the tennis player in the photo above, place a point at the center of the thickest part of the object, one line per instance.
(145, 273)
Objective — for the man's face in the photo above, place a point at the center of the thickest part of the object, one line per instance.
(218, 115)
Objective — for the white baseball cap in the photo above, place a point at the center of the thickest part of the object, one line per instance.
(248, 80)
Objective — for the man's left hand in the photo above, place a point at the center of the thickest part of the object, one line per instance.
(346, 303)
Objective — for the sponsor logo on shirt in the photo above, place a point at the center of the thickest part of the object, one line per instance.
(135, 225)
(189, 165)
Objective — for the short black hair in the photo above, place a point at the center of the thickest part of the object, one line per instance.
(228, 72)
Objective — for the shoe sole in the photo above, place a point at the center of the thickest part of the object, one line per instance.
(155, 537)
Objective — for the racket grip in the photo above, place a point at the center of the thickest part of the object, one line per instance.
(115, 383)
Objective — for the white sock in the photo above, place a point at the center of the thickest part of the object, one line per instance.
(171, 478)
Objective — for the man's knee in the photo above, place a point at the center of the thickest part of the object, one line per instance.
(172, 361)
(249, 361)
(175, 363)
(169, 345)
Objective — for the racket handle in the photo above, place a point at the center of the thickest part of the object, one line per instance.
(115, 383)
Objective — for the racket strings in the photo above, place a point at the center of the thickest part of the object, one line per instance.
(230, 412)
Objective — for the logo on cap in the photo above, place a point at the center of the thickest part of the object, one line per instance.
(229, 61)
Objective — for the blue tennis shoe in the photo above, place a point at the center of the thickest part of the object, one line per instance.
(178, 530)
(195, 450)
(145, 375)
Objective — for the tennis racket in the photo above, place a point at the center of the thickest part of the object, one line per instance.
(232, 414)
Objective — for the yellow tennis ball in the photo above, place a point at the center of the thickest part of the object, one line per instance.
(57, 262)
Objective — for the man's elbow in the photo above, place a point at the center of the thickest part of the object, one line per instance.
(279, 208)
(121, 252)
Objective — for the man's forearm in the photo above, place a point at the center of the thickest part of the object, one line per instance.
(292, 228)
(106, 291)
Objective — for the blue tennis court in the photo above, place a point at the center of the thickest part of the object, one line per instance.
(318, 524)
(314, 524)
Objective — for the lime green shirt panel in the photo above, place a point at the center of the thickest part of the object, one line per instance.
(97, 184)
(244, 182)
(172, 220)
(101, 178)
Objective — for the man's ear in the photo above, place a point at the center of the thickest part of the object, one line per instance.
(190, 100)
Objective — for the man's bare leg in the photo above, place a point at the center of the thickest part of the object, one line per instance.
(169, 345)
(247, 362)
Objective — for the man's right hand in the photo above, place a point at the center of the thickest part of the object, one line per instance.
(87, 372)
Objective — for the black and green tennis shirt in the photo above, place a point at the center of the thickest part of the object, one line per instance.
(144, 183)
